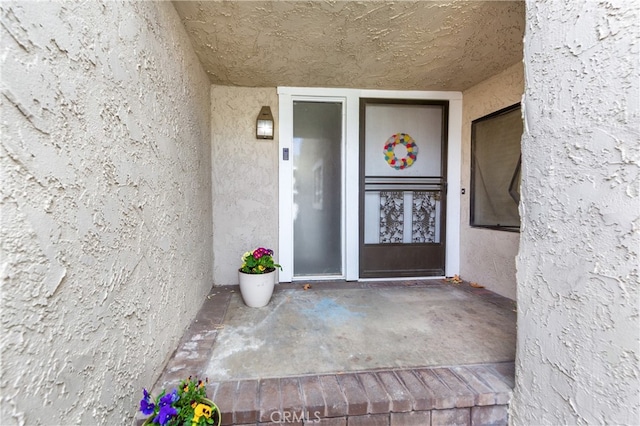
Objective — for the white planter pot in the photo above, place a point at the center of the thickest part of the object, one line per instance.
(256, 289)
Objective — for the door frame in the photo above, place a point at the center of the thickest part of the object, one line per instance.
(351, 172)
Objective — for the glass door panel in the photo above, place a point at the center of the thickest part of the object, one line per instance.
(317, 193)
(402, 217)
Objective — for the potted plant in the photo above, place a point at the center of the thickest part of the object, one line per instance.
(257, 277)
(185, 405)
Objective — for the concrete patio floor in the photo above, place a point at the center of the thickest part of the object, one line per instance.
(447, 348)
(323, 330)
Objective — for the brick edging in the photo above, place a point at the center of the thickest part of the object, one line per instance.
(365, 394)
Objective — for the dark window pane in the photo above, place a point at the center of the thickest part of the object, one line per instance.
(495, 169)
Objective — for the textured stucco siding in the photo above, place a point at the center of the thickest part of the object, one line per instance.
(487, 256)
(244, 178)
(578, 351)
(401, 45)
(105, 202)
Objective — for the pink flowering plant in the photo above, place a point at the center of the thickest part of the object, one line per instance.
(185, 405)
(258, 261)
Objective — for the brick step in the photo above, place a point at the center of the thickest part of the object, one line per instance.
(460, 395)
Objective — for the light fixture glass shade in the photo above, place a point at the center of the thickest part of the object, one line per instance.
(264, 124)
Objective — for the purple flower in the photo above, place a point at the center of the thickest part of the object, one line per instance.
(165, 414)
(146, 406)
(169, 398)
(261, 251)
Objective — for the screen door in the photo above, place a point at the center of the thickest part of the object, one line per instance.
(403, 151)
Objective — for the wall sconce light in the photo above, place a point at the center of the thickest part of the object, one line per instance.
(264, 124)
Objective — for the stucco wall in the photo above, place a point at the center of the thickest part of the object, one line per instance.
(244, 178)
(105, 202)
(487, 256)
(578, 350)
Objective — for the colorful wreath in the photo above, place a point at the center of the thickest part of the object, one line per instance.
(390, 156)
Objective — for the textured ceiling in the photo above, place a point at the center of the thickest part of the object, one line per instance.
(408, 45)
